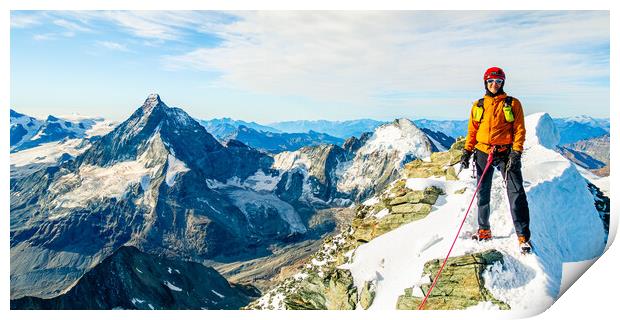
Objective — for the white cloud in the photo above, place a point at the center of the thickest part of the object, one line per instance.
(356, 56)
(113, 46)
(391, 59)
(19, 20)
(45, 36)
(71, 26)
(157, 26)
(142, 25)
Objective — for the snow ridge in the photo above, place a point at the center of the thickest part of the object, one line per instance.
(564, 223)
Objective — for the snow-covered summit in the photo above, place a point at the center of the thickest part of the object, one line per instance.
(379, 160)
(151, 101)
(182, 136)
(23, 128)
(540, 129)
(402, 136)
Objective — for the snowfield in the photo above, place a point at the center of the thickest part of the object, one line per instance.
(48, 153)
(565, 226)
(175, 166)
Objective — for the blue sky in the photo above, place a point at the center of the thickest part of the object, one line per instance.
(268, 66)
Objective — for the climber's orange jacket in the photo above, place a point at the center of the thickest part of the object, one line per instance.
(493, 127)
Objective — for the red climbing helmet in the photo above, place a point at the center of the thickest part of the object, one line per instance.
(494, 73)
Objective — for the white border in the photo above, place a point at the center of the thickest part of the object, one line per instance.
(593, 295)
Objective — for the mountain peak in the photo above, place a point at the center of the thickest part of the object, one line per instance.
(153, 125)
(151, 101)
(404, 122)
(402, 135)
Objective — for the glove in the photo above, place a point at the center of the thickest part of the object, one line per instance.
(514, 161)
(465, 159)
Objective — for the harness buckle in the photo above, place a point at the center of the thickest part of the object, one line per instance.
(501, 148)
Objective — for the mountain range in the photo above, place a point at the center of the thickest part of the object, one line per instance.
(159, 188)
(160, 182)
(28, 132)
(144, 184)
(224, 127)
(277, 142)
(339, 129)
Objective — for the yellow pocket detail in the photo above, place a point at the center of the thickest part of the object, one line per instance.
(508, 113)
(478, 113)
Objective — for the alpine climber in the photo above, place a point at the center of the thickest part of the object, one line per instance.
(496, 124)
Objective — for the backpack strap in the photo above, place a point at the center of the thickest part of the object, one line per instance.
(508, 109)
(479, 110)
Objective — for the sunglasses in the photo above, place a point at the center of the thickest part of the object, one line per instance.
(498, 81)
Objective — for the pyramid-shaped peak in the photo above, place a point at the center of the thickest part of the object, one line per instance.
(152, 100)
(153, 121)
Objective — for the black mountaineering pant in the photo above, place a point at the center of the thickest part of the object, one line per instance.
(514, 185)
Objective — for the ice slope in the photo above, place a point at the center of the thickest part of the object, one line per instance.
(564, 222)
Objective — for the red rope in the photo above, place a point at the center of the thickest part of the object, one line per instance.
(489, 160)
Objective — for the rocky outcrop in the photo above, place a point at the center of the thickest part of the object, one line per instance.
(602, 203)
(440, 165)
(367, 294)
(332, 292)
(398, 204)
(320, 284)
(309, 175)
(395, 208)
(353, 144)
(460, 285)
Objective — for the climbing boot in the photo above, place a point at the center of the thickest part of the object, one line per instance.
(482, 235)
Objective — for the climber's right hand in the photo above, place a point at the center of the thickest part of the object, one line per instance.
(465, 159)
